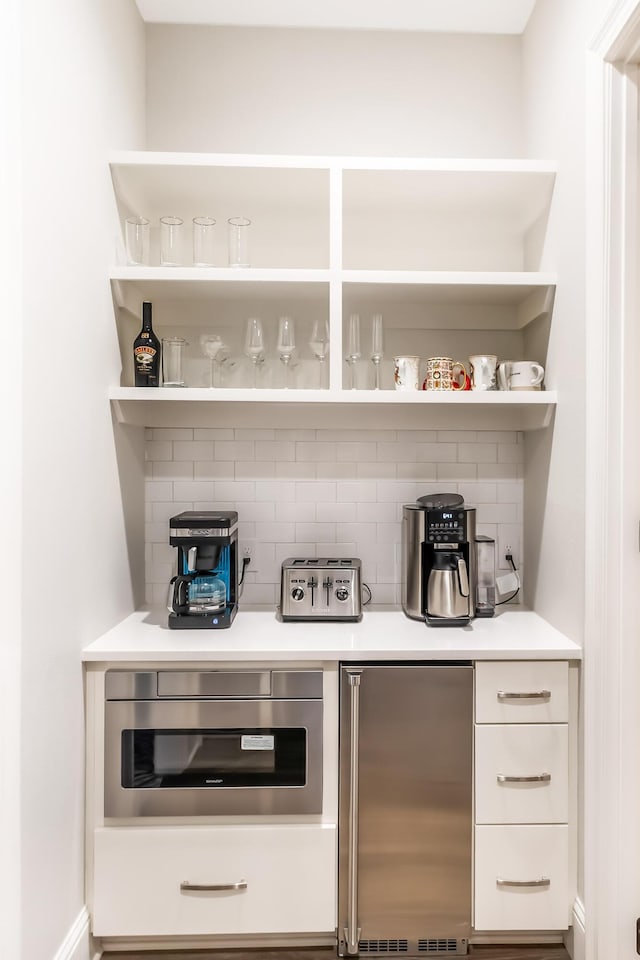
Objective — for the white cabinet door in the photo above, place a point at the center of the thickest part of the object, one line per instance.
(145, 878)
(522, 773)
(522, 692)
(521, 877)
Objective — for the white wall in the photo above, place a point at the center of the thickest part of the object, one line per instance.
(82, 95)
(332, 92)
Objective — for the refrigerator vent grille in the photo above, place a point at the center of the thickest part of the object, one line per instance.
(383, 946)
(438, 946)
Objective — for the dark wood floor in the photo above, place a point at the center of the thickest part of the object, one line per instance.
(533, 952)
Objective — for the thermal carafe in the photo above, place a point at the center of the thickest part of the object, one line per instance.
(448, 586)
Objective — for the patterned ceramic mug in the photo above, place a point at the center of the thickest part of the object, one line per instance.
(483, 372)
(443, 373)
(406, 373)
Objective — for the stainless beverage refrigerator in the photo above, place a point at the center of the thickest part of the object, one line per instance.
(405, 819)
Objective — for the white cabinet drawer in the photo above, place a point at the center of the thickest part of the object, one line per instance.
(521, 878)
(522, 691)
(289, 872)
(508, 758)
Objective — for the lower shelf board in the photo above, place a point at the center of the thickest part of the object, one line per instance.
(385, 409)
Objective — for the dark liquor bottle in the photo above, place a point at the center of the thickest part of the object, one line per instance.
(146, 352)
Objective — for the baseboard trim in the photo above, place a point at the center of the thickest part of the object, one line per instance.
(575, 938)
(78, 943)
(219, 942)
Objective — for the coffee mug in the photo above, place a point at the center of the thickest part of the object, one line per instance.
(483, 372)
(406, 373)
(520, 375)
(443, 373)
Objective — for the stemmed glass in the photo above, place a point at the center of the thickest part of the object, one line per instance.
(212, 344)
(377, 347)
(286, 344)
(319, 344)
(353, 346)
(254, 343)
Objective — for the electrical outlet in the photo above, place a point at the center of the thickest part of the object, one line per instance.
(508, 542)
(248, 552)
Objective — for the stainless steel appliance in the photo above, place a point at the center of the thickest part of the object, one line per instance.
(204, 592)
(324, 589)
(182, 743)
(405, 818)
(448, 572)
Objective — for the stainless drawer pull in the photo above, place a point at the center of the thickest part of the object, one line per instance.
(536, 778)
(538, 695)
(240, 885)
(542, 882)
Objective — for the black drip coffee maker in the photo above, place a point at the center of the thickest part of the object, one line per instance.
(203, 595)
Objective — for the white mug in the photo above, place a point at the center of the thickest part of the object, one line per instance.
(405, 373)
(520, 375)
(483, 372)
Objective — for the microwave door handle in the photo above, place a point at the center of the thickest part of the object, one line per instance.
(352, 930)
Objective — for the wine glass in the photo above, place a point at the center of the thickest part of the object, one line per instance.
(286, 344)
(211, 345)
(254, 343)
(353, 346)
(319, 344)
(377, 347)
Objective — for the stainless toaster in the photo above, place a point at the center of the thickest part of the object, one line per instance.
(321, 589)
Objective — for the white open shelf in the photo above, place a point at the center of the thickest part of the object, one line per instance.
(447, 249)
(152, 407)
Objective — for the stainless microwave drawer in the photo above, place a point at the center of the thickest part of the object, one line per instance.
(177, 758)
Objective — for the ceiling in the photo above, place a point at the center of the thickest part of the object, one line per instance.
(442, 16)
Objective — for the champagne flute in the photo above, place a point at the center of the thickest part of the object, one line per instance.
(319, 344)
(353, 346)
(211, 344)
(254, 343)
(377, 347)
(286, 344)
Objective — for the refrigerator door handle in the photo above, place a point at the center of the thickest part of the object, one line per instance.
(352, 930)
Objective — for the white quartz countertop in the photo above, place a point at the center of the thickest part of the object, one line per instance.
(385, 635)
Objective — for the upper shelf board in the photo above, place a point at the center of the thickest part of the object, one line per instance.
(516, 191)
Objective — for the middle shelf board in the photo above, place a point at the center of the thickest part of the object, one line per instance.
(192, 406)
(518, 290)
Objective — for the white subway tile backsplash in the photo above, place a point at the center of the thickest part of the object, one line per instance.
(158, 450)
(193, 489)
(315, 491)
(336, 471)
(275, 490)
(322, 493)
(214, 470)
(294, 470)
(193, 450)
(172, 470)
(234, 450)
(477, 452)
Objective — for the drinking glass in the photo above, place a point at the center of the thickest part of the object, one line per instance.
(286, 344)
(137, 240)
(203, 237)
(254, 343)
(170, 241)
(212, 346)
(377, 347)
(353, 346)
(172, 356)
(319, 344)
(238, 235)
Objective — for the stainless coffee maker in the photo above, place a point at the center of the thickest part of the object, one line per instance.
(448, 572)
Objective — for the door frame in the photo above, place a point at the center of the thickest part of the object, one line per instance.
(612, 556)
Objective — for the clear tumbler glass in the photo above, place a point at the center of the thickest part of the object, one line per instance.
(170, 241)
(238, 232)
(172, 361)
(203, 237)
(137, 240)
